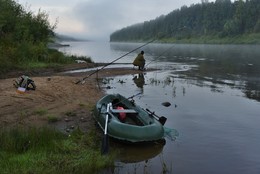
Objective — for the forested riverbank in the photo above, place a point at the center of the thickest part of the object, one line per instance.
(31, 141)
(24, 39)
(216, 22)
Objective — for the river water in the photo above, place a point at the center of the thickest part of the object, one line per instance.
(214, 91)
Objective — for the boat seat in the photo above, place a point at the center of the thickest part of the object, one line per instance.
(123, 111)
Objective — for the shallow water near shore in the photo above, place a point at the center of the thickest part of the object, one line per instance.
(218, 126)
(214, 92)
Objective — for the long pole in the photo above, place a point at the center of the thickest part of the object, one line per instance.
(114, 61)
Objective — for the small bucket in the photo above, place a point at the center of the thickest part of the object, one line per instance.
(21, 90)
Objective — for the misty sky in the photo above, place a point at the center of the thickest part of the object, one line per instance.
(97, 19)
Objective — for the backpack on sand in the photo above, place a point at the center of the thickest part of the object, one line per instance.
(25, 82)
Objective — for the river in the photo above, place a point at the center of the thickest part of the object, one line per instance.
(214, 91)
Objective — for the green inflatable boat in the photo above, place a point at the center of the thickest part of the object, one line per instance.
(122, 119)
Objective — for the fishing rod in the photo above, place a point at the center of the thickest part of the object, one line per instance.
(164, 35)
(114, 61)
(131, 97)
(160, 55)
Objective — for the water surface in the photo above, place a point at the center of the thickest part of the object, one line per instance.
(214, 91)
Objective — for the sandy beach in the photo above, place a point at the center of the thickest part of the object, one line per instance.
(57, 101)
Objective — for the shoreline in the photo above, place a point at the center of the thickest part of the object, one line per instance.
(57, 101)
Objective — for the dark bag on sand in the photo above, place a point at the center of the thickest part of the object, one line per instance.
(25, 82)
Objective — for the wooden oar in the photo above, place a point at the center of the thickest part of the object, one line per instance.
(162, 119)
(105, 145)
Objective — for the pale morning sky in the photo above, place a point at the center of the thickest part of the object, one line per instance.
(97, 19)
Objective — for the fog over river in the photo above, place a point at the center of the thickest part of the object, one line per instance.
(214, 91)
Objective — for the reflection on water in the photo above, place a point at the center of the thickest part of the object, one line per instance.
(217, 90)
(229, 58)
(139, 80)
(250, 86)
(218, 63)
(211, 116)
(139, 158)
(133, 153)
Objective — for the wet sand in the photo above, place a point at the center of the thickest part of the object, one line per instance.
(57, 101)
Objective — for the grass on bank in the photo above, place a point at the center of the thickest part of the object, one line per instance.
(22, 60)
(45, 150)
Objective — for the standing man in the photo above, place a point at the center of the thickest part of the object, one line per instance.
(140, 61)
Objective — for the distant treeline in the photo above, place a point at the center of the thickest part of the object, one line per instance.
(219, 19)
